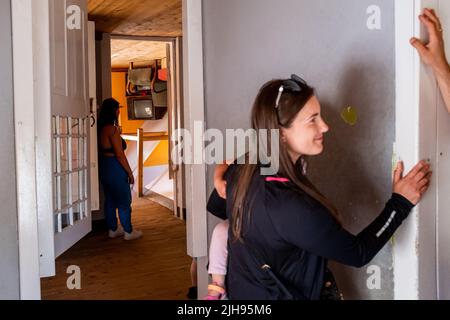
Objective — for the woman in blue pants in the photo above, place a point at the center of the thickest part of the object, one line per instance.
(115, 173)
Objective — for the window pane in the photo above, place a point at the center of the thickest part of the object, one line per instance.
(54, 125)
(76, 213)
(75, 153)
(84, 155)
(64, 190)
(75, 187)
(75, 126)
(64, 155)
(87, 125)
(65, 219)
(55, 193)
(58, 223)
(54, 155)
(85, 185)
(63, 126)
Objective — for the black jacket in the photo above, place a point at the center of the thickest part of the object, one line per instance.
(296, 236)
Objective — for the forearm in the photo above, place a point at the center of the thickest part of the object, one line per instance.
(220, 171)
(443, 78)
(380, 231)
(124, 163)
(359, 250)
(217, 206)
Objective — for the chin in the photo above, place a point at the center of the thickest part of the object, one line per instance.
(318, 151)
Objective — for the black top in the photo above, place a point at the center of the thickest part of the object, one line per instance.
(111, 150)
(296, 236)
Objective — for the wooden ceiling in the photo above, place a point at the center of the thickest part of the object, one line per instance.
(159, 18)
(140, 52)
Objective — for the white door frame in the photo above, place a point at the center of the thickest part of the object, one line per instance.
(194, 110)
(95, 183)
(174, 106)
(28, 25)
(422, 132)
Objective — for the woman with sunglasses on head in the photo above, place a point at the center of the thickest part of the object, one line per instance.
(283, 230)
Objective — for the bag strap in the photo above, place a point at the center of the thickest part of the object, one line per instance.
(257, 257)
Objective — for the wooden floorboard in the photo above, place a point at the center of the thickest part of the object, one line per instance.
(155, 267)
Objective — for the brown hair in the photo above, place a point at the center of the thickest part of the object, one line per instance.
(264, 117)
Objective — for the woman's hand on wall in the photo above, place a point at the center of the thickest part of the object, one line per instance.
(432, 53)
(414, 185)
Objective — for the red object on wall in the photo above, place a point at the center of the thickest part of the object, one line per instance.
(162, 74)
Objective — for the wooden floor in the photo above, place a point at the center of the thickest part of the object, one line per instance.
(155, 267)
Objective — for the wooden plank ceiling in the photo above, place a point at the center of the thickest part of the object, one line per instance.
(140, 52)
(161, 18)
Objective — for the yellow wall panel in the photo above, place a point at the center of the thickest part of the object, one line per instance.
(160, 156)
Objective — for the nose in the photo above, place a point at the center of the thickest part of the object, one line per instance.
(324, 127)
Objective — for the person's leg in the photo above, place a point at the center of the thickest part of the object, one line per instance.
(122, 194)
(124, 208)
(193, 292)
(194, 272)
(106, 174)
(124, 205)
(218, 258)
(110, 210)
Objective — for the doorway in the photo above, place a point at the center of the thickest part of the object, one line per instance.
(139, 81)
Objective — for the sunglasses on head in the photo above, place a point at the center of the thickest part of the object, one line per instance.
(293, 85)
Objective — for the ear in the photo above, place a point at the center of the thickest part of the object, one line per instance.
(283, 136)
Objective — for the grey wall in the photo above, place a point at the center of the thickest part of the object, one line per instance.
(248, 42)
(9, 248)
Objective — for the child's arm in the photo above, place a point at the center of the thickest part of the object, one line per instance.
(219, 181)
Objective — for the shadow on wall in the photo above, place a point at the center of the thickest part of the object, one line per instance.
(355, 169)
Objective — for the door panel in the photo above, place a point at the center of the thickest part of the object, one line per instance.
(71, 122)
(58, 47)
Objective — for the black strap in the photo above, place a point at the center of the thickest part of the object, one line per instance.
(257, 257)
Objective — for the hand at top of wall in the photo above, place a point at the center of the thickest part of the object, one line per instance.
(432, 53)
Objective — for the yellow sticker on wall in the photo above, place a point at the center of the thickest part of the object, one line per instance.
(350, 116)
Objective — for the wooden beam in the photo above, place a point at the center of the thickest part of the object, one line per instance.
(140, 151)
(147, 136)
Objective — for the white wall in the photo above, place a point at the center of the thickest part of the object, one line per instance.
(9, 246)
(247, 43)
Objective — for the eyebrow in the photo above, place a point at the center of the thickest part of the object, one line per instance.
(313, 116)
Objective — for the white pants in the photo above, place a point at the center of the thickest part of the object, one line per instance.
(218, 251)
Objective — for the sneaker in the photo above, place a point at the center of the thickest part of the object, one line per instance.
(133, 236)
(118, 233)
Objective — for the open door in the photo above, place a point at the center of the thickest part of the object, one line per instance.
(67, 218)
(70, 122)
